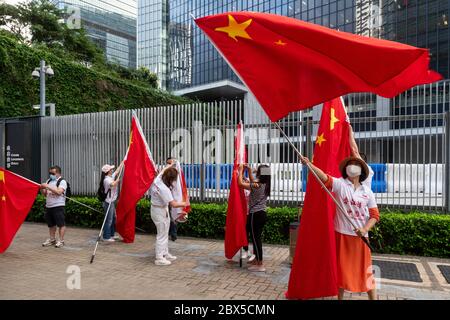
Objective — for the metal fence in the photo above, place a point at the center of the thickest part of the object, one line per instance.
(407, 152)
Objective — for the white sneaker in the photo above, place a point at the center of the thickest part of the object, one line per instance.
(59, 244)
(251, 258)
(170, 257)
(162, 262)
(109, 240)
(49, 242)
(245, 255)
(116, 238)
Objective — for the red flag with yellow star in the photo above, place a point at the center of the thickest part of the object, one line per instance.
(290, 65)
(235, 224)
(139, 173)
(17, 196)
(314, 269)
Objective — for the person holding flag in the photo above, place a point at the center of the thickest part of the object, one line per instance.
(179, 193)
(259, 192)
(109, 181)
(353, 256)
(161, 195)
(55, 202)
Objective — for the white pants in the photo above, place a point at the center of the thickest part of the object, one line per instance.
(160, 217)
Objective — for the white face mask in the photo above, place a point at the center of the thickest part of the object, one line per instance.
(353, 170)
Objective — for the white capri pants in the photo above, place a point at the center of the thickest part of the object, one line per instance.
(161, 219)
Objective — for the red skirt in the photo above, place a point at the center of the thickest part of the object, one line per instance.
(354, 264)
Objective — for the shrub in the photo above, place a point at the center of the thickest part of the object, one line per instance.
(397, 233)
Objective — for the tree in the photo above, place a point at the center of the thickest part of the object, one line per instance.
(40, 23)
(146, 76)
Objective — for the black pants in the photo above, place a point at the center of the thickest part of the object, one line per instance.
(173, 229)
(247, 228)
(257, 221)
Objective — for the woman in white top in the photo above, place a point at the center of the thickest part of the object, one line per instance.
(354, 260)
(110, 183)
(162, 197)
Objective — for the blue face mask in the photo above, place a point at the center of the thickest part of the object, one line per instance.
(52, 177)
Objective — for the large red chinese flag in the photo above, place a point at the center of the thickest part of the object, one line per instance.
(314, 270)
(291, 65)
(17, 196)
(139, 172)
(235, 227)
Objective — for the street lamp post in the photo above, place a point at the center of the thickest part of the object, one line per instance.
(40, 73)
(42, 87)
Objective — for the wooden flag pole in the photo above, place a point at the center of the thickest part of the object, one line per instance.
(338, 205)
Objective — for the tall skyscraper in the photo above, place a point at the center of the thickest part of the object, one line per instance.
(170, 44)
(109, 23)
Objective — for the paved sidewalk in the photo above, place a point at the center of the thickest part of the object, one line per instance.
(126, 271)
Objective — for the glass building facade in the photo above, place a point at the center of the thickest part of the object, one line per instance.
(171, 44)
(152, 40)
(109, 23)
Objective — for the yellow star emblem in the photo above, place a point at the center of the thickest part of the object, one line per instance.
(280, 43)
(235, 29)
(333, 119)
(131, 138)
(320, 140)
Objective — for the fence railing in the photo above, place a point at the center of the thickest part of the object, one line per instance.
(407, 152)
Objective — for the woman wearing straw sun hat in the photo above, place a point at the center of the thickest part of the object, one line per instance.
(354, 261)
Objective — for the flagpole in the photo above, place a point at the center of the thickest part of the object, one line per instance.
(101, 229)
(82, 204)
(104, 220)
(338, 205)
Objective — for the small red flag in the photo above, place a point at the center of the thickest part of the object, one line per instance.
(17, 196)
(314, 269)
(291, 65)
(235, 227)
(139, 172)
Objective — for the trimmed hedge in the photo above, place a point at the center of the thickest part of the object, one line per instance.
(413, 233)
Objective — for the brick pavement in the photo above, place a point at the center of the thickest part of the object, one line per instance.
(126, 271)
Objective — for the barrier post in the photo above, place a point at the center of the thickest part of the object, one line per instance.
(447, 162)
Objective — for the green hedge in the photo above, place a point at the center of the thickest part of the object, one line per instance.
(74, 88)
(397, 233)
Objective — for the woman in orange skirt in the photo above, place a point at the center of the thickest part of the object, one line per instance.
(354, 260)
